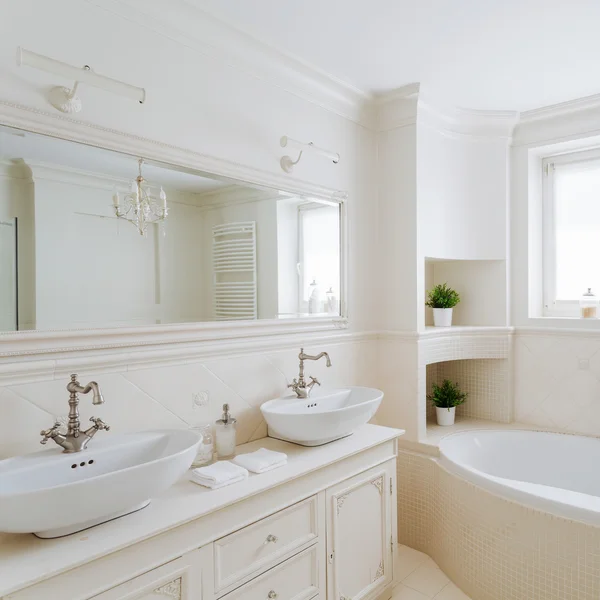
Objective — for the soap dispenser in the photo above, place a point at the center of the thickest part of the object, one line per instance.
(225, 434)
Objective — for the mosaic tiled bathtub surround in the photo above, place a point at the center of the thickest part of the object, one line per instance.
(492, 548)
(485, 380)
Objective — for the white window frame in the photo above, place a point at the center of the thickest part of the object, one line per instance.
(551, 306)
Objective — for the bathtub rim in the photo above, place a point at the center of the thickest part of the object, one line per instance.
(486, 482)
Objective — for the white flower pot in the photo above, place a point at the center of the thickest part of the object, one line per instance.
(442, 317)
(445, 416)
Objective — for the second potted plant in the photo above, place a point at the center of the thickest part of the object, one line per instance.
(446, 398)
(442, 299)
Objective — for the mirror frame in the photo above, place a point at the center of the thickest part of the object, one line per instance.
(59, 342)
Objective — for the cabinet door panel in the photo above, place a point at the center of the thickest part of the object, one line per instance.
(178, 580)
(359, 535)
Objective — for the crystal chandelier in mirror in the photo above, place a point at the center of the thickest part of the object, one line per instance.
(140, 206)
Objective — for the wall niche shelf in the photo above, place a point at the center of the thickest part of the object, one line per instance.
(481, 285)
(475, 357)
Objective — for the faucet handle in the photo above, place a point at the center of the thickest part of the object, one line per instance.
(314, 381)
(99, 424)
(294, 385)
(49, 433)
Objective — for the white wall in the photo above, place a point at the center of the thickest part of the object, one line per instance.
(396, 291)
(195, 100)
(462, 183)
(201, 100)
(94, 270)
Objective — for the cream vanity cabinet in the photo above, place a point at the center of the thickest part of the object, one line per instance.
(327, 532)
(177, 580)
(360, 542)
(288, 549)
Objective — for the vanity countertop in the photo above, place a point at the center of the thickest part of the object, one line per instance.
(25, 559)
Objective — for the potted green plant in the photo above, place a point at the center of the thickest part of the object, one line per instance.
(442, 299)
(446, 398)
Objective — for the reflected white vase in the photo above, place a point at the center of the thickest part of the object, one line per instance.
(442, 317)
(445, 416)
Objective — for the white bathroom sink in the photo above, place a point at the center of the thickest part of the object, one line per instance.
(53, 494)
(327, 415)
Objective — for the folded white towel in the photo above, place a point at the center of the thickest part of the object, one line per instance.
(218, 474)
(261, 461)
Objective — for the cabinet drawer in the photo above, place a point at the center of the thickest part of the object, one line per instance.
(265, 543)
(295, 579)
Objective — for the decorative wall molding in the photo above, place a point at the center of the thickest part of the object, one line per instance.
(57, 364)
(189, 26)
(60, 126)
(62, 342)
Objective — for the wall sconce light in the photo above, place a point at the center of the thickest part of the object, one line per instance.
(65, 99)
(286, 162)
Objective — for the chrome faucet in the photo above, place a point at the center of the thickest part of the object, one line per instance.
(300, 387)
(76, 440)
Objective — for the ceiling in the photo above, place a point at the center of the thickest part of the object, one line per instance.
(482, 54)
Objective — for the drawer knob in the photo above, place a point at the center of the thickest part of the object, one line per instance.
(272, 539)
(272, 594)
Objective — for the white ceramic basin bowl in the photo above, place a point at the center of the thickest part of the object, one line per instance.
(327, 415)
(43, 493)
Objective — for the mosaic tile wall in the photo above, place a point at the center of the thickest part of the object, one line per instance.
(492, 548)
(485, 380)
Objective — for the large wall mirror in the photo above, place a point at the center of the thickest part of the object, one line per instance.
(86, 242)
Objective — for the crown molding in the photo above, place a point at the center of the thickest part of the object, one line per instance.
(15, 169)
(42, 171)
(190, 26)
(561, 109)
(462, 122)
(566, 121)
(397, 108)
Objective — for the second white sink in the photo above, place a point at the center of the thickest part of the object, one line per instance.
(327, 415)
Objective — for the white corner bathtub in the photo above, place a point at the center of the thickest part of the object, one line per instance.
(555, 473)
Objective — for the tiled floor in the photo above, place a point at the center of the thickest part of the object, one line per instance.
(420, 579)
